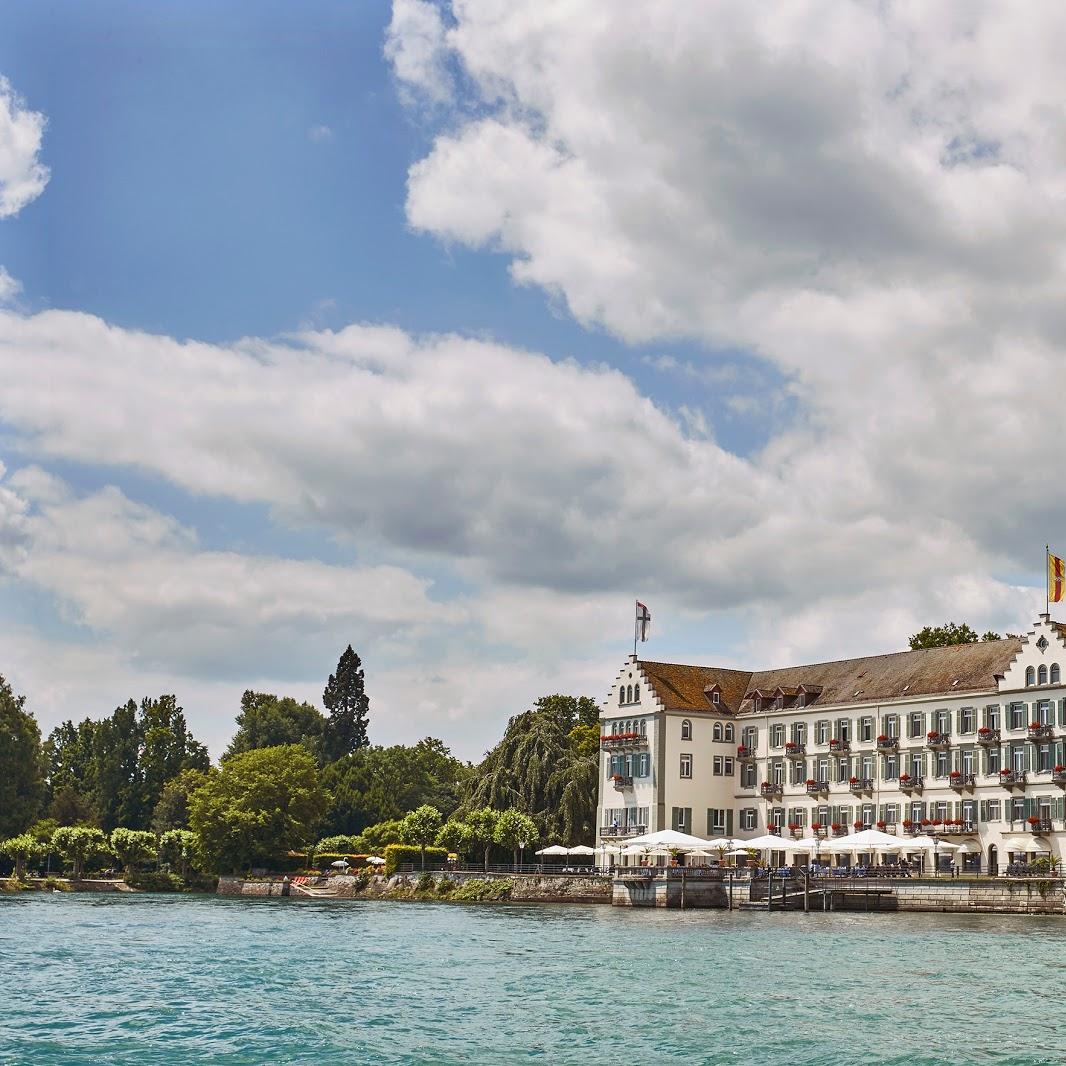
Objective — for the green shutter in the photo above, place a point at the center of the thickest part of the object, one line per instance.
(1058, 807)
(673, 819)
(729, 822)
(710, 821)
(982, 811)
(688, 819)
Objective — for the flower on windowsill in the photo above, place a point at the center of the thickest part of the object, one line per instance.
(1004, 772)
(926, 821)
(811, 781)
(858, 825)
(882, 739)
(794, 827)
(1034, 725)
(1033, 820)
(932, 735)
(880, 825)
(938, 821)
(1059, 769)
(904, 778)
(984, 731)
(816, 826)
(836, 827)
(853, 780)
(907, 823)
(955, 773)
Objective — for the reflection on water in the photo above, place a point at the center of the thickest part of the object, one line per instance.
(170, 979)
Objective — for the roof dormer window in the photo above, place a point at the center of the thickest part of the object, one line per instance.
(716, 696)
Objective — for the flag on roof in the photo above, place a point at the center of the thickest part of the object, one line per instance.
(643, 621)
(1056, 579)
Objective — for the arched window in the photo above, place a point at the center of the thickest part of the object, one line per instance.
(729, 732)
(643, 727)
(1042, 674)
(1056, 676)
(621, 695)
(686, 730)
(717, 731)
(1030, 676)
(629, 693)
(636, 693)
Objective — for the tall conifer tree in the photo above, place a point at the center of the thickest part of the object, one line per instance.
(349, 708)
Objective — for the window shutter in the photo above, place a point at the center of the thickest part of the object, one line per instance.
(729, 822)
(1030, 807)
(688, 819)
(982, 811)
(1030, 756)
(673, 824)
(710, 821)
(1062, 712)
(1058, 807)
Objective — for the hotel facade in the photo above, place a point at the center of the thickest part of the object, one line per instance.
(964, 742)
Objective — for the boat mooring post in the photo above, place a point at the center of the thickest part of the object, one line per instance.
(806, 891)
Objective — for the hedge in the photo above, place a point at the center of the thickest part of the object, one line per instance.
(326, 858)
(397, 854)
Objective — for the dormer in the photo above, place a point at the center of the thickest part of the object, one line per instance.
(714, 695)
(807, 694)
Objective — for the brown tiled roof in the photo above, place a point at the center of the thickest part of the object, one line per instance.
(955, 669)
(683, 688)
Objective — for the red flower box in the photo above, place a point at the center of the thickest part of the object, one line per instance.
(858, 825)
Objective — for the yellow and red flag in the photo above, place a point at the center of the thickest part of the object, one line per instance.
(1056, 579)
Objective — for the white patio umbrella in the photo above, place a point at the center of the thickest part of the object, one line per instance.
(635, 849)
(920, 843)
(870, 840)
(340, 864)
(768, 842)
(969, 847)
(669, 838)
(554, 849)
(375, 860)
(580, 849)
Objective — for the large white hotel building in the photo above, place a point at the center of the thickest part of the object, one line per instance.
(965, 741)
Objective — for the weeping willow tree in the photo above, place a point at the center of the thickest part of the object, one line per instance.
(546, 766)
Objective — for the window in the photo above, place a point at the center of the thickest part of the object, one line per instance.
(992, 716)
(729, 734)
(1042, 675)
(777, 773)
(891, 813)
(716, 697)
(686, 730)
(1017, 716)
(867, 815)
(821, 732)
(716, 820)
(728, 766)
(717, 731)
(967, 720)
(643, 765)
(1030, 676)
(892, 726)
(943, 722)
(1056, 676)
(993, 760)
(747, 775)
(621, 695)
(868, 767)
(914, 724)
(891, 767)
(749, 818)
(917, 765)
(716, 766)
(866, 729)
(777, 817)
(993, 811)
(1017, 758)
(636, 693)
(844, 729)
(1043, 713)
(722, 766)
(681, 818)
(686, 765)
(843, 769)
(941, 764)
(967, 765)
(777, 734)
(644, 727)
(800, 700)
(1043, 758)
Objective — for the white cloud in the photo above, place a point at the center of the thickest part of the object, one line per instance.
(9, 287)
(414, 44)
(319, 133)
(22, 175)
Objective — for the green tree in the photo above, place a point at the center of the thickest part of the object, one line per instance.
(132, 846)
(513, 828)
(172, 809)
(376, 838)
(77, 844)
(179, 847)
(455, 836)
(23, 849)
(349, 708)
(942, 636)
(421, 827)
(268, 721)
(116, 753)
(21, 764)
(482, 825)
(167, 748)
(376, 784)
(71, 807)
(71, 772)
(545, 766)
(260, 804)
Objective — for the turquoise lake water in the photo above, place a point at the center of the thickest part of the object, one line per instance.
(166, 979)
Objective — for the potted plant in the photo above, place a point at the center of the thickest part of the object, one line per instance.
(858, 824)
(984, 731)
(1034, 725)
(881, 825)
(1005, 771)
(907, 823)
(955, 775)
(1033, 820)
(1058, 768)
(853, 780)
(817, 827)
(811, 782)
(925, 822)
(882, 738)
(938, 821)
(742, 749)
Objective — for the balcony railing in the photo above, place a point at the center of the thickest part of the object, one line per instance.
(1043, 825)
(769, 788)
(955, 828)
(622, 830)
(889, 744)
(622, 741)
(937, 741)
(910, 784)
(1011, 778)
(815, 788)
(795, 747)
(861, 785)
(745, 751)
(986, 735)
(1041, 732)
(839, 745)
(960, 780)
(1058, 777)
(839, 830)
(622, 781)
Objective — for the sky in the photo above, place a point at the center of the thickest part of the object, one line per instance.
(448, 330)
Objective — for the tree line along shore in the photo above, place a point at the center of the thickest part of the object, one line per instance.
(297, 787)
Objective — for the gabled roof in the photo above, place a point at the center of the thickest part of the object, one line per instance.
(683, 688)
(958, 668)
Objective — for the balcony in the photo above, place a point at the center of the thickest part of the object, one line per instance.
(816, 788)
(987, 736)
(1012, 778)
(839, 830)
(909, 784)
(621, 831)
(770, 789)
(839, 746)
(745, 752)
(795, 747)
(859, 785)
(1039, 825)
(959, 781)
(888, 744)
(937, 741)
(1058, 776)
(1039, 732)
(623, 742)
(621, 781)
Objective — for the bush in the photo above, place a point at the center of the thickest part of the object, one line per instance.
(397, 854)
(445, 886)
(362, 881)
(154, 881)
(327, 858)
(425, 883)
(478, 890)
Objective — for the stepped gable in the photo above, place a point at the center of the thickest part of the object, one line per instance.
(688, 688)
(955, 669)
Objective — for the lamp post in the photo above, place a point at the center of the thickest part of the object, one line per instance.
(522, 853)
(936, 856)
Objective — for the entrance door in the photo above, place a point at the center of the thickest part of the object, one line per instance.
(993, 860)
